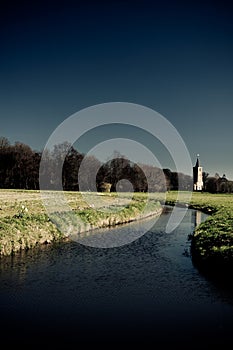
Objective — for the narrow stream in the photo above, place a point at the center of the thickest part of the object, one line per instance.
(149, 290)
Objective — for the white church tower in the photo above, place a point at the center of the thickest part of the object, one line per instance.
(197, 176)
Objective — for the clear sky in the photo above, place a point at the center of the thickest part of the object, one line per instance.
(175, 57)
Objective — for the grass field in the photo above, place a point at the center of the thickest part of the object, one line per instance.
(24, 221)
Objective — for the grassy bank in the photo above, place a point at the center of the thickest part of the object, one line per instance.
(24, 222)
(212, 241)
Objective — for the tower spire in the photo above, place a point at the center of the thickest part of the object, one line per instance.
(197, 162)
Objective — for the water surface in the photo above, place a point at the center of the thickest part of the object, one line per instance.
(148, 290)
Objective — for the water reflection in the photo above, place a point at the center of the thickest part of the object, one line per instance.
(198, 217)
(147, 290)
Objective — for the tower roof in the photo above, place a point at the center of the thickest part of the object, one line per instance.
(197, 162)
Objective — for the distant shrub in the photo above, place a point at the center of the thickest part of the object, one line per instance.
(104, 187)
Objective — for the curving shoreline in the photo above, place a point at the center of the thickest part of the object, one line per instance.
(212, 240)
(24, 223)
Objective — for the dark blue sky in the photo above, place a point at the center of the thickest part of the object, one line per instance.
(175, 57)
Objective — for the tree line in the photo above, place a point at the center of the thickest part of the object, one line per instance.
(217, 183)
(20, 165)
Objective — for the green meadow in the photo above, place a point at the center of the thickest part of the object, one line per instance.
(24, 222)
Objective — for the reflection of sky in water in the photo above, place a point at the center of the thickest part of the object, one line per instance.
(145, 289)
